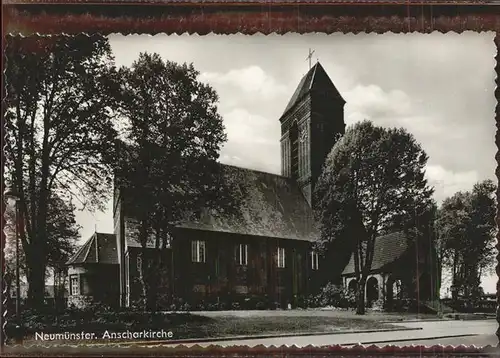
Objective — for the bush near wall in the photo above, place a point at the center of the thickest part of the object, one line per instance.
(470, 306)
(222, 303)
(330, 295)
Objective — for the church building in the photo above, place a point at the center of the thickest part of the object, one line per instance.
(266, 252)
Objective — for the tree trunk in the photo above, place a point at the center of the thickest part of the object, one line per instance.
(35, 266)
(360, 293)
(152, 284)
(36, 287)
(149, 281)
(454, 278)
(143, 277)
(55, 284)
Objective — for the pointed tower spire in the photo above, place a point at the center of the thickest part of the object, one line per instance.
(309, 57)
(310, 125)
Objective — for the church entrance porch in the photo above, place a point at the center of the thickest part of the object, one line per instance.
(393, 292)
(372, 291)
(373, 288)
(353, 285)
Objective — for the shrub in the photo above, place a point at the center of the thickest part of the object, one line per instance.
(378, 305)
(261, 305)
(332, 295)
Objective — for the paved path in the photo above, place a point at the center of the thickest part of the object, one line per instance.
(481, 340)
(429, 331)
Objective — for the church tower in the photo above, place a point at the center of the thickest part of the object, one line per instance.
(310, 126)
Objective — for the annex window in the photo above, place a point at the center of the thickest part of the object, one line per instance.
(314, 260)
(198, 251)
(281, 257)
(75, 285)
(242, 254)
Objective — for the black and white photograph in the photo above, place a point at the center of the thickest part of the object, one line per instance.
(298, 189)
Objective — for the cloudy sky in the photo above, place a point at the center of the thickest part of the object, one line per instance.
(440, 87)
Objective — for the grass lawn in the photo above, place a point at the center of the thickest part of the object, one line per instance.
(189, 326)
(227, 326)
(377, 316)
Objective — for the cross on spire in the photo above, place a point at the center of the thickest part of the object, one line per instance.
(309, 57)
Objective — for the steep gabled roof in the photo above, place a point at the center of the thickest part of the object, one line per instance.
(100, 248)
(388, 248)
(315, 79)
(269, 205)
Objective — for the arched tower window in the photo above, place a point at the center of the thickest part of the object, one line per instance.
(294, 150)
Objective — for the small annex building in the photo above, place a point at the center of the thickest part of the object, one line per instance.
(93, 272)
(401, 269)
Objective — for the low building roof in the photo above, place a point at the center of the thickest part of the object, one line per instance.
(388, 248)
(100, 248)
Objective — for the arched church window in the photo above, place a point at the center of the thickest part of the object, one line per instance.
(302, 154)
(294, 150)
(353, 285)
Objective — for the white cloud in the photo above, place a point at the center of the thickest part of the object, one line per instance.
(251, 139)
(375, 102)
(447, 182)
(395, 108)
(251, 80)
(243, 126)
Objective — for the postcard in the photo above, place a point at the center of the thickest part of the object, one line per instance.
(253, 190)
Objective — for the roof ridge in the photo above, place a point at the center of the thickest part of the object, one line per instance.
(96, 248)
(104, 245)
(315, 67)
(77, 252)
(254, 170)
(89, 246)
